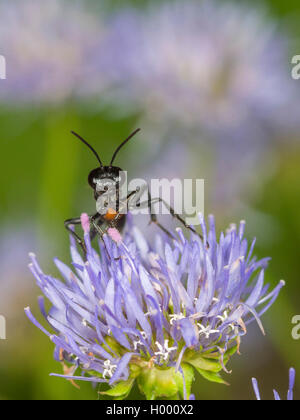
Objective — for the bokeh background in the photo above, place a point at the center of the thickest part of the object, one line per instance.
(210, 84)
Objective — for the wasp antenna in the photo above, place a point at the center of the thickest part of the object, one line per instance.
(123, 144)
(89, 146)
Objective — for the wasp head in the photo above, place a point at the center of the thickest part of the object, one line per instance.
(104, 178)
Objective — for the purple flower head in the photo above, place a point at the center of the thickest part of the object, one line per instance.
(290, 395)
(141, 311)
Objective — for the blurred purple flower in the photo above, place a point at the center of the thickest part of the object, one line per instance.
(15, 287)
(221, 69)
(178, 305)
(290, 395)
(47, 49)
(216, 76)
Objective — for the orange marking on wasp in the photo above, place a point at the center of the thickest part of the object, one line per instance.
(110, 214)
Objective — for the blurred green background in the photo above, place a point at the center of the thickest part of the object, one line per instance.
(44, 181)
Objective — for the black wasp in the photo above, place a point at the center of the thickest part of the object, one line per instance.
(106, 182)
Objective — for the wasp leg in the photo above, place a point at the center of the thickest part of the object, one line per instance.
(153, 216)
(101, 232)
(71, 222)
(96, 226)
(173, 214)
(125, 204)
(148, 204)
(76, 221)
